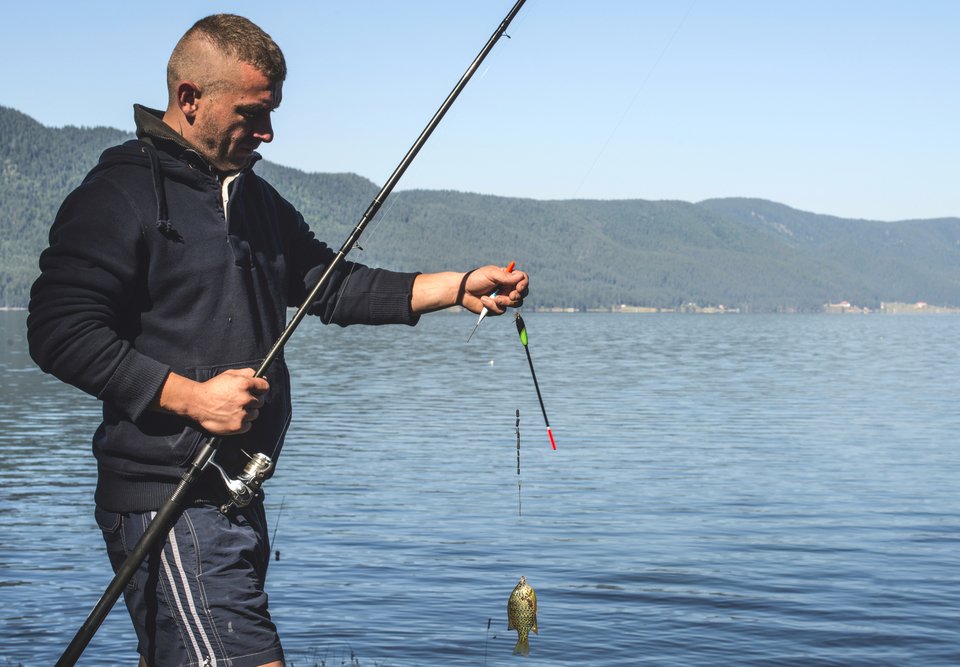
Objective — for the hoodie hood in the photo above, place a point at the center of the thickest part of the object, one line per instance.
(161, 166)
(167, 155)
(152, 130)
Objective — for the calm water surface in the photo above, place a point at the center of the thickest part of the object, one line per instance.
(728, 490)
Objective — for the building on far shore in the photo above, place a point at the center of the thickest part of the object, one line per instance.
(898, 308)
(844, 307)
(889, 308)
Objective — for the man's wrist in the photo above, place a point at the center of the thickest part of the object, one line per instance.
(436, 291)
(176, 395)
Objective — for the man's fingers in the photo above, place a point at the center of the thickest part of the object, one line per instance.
(257, 385)
(492, 305)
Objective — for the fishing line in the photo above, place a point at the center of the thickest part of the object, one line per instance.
(518, 22)
(276, 525)
(519, 502)
(487, 641)
(633, 100)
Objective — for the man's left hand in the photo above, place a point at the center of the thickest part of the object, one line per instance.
(480, 283)
(436, 291)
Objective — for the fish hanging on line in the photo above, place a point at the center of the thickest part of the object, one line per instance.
(522, 615)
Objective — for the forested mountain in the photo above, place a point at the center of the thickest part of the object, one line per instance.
(38, 167)
(745, 253)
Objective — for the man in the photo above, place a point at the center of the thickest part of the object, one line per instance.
(166, 281)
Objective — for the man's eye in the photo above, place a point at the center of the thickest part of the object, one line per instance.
(253, 114)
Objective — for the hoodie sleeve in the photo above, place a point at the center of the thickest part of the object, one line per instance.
(355, 294)
(78, 326)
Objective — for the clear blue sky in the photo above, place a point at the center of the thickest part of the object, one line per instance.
(845, 107)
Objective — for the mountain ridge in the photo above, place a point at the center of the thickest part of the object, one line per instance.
(746, 253)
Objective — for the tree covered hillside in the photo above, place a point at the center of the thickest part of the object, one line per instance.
(750, 254)
(38, 167)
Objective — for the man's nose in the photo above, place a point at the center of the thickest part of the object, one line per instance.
(264, 130)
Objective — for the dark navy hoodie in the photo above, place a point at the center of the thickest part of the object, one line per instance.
(146, 273)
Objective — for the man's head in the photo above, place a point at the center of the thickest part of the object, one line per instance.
(224, 78)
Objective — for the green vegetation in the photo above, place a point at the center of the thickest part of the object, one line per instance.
(38, 167)
(749, 254)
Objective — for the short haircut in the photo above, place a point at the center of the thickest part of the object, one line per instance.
(231, 35)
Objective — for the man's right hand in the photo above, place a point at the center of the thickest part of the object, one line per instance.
(225, 404)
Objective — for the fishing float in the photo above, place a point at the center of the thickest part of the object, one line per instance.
(483, 313)
(522, 330)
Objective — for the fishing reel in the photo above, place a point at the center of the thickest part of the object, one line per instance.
(244, 488)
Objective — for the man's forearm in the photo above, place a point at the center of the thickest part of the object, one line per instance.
(472, 290)
(436, 291)
(223, 405)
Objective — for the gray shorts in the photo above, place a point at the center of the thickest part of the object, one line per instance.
(201, 601)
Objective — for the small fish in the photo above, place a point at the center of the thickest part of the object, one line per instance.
(522, 615)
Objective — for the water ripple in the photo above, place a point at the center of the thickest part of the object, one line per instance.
(727, 490)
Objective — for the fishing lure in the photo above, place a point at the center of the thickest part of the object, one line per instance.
(522, 330)
(483, 313)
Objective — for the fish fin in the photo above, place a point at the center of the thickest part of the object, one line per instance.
(534, 628)
(523, 646)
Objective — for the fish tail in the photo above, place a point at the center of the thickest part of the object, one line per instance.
(523, 644)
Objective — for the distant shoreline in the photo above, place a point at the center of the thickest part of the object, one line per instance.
(891, 308)
(842, 308)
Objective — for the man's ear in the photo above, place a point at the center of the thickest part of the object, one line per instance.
(188, 99)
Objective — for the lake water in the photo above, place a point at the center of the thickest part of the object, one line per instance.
(727, 490)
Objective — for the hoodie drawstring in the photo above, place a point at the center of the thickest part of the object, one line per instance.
(163, 219)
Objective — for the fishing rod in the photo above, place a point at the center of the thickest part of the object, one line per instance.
(245, 488)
